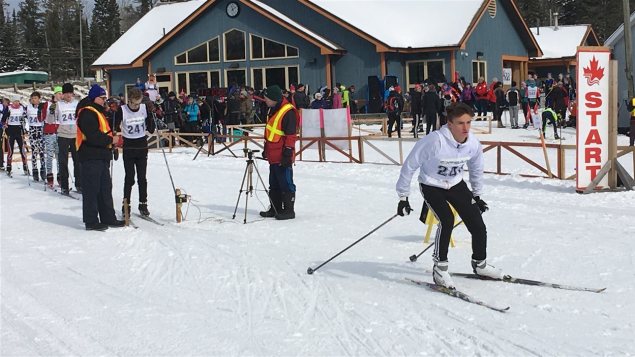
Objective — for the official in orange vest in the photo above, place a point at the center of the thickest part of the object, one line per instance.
(94, 143)
(280, 137)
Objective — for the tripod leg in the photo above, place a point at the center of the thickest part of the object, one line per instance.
(248, 191)
(240, 192)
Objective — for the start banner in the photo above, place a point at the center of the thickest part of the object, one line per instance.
(593, 114)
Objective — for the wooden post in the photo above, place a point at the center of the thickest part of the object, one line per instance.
(170, 135)
(177, 195)
(561, 163)
(498, 158)
(400, 152)
(612, 178)
(360, 145)
(126, 212)
(544, 151)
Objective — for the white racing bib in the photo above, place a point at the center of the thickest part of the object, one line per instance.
(31, 115)
(15, 114)
(133, 124)
(67, 112)
(532, 92)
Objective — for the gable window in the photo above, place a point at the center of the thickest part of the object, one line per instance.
(262, 48)
(204, 53)
(282, 76)
(419, 71)
(234, 45)
(479, 69)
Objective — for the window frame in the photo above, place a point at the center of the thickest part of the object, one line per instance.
(187, 57)
(262, 46)
(225, 46)
(425, 69)
(264, 74)
(484, 75)
(188, 90)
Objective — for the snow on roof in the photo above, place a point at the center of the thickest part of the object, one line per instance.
(286, 19)
(559, 43)
(407, 23)
(146, 32)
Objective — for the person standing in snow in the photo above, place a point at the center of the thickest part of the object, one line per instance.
(152, 88)
(280, 136)
(4, 107)
(440, 158)
(94, 150)
(512, 97)
(134, 119)
(13, 122)
(67, 132)
(50, 135)
(35, 113)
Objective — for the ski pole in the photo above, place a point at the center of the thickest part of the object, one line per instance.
(413, 258)
(312, 270)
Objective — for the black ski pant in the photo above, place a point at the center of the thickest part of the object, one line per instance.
(632, 132)
(394, 118)
(135, 160)
(97, 192)
(65, 145)
(460, 197)
(2, 152)
(14, 132)
(431, 122)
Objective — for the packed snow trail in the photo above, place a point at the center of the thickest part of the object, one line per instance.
(226, 288)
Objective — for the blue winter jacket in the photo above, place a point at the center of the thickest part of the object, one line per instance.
(192, 112)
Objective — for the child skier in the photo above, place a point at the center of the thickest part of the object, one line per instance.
(14, 128)
(36, 124)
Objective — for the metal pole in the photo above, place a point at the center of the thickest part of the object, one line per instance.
(628, 50)
(81, 47)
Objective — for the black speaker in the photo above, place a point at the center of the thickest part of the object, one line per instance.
(375, 95)
(390, 81)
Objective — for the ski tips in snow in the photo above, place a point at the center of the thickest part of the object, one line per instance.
(458, 294)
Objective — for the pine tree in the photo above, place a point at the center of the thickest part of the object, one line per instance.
(29, 31)
(106, 22)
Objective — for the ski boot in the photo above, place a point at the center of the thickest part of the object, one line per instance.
(25, 168)
(49, 180)
(441, 276)
(2, 167)
(481, 268)
(143, 209)
(556, 136)
(9, 171)
(43, 174)
(276, 205)
(125, 207)
(36, 176)
(288, 199)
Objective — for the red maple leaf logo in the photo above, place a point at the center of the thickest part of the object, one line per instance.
(593, 73)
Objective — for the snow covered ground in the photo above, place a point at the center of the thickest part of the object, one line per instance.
(216, 286)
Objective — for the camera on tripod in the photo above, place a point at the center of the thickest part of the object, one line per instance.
(250, 153)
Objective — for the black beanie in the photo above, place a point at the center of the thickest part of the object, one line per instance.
(67, 88)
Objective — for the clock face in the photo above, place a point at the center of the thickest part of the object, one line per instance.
(232, 9)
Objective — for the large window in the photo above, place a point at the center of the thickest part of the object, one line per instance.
(479, 69)
(235, 77)
(234, 45)
(281, 76)
(262, 48)
(191, 82)
(419, 71)
(204, 53)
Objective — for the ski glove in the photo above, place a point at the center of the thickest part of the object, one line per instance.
(403, 205)
(286, 159)
(482, 206)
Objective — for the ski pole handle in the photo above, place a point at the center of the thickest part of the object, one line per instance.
(312, 270)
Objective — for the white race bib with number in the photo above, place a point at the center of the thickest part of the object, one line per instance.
(67, 112)
(532, 92)
(133, 124)
(15, 114)
(31, 114)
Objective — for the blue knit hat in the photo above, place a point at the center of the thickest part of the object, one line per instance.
(96, 91)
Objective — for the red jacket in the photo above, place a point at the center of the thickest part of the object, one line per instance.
(491, 95)
(49, 128)
(273, 151)
(481, 91)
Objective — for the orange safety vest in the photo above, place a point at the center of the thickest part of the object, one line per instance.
(273, 130)
(104, 127)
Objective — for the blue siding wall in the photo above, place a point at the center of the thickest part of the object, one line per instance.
(494, 37)
(361, 59)
(120, 77)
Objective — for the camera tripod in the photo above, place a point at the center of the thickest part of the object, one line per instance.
(247, 185)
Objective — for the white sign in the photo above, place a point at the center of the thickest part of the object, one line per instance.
(507, 76)
(593, 114)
